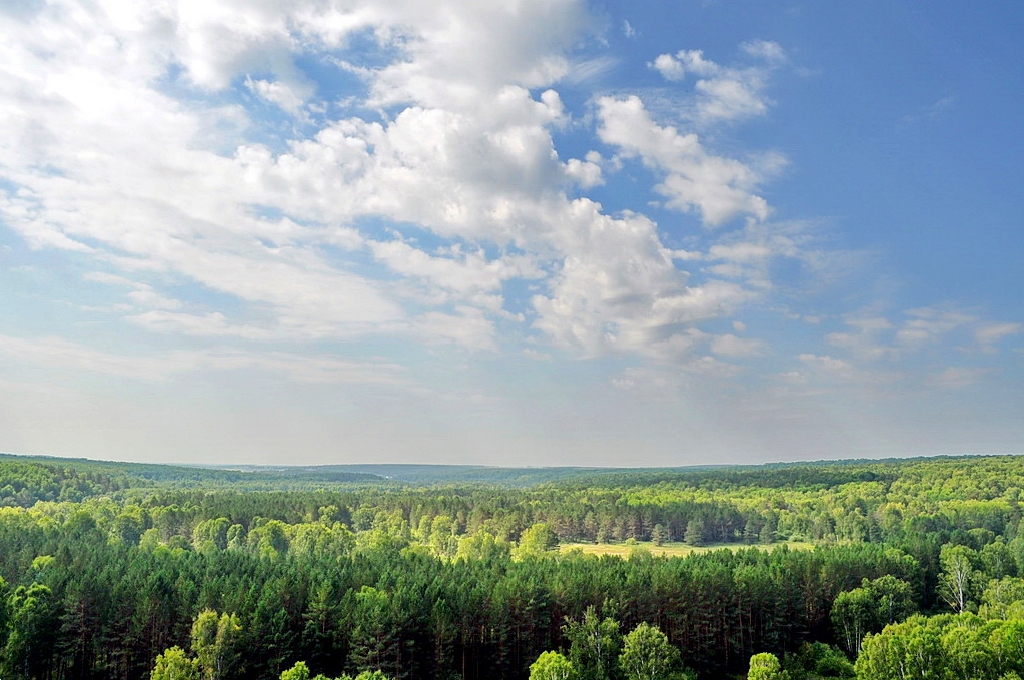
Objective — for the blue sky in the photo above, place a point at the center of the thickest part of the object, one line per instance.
(534, 232)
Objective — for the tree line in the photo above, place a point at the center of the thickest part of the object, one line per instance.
(468, 582)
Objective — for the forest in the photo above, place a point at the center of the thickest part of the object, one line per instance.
(867, 569)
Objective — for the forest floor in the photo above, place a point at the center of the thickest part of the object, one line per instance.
(674, 549)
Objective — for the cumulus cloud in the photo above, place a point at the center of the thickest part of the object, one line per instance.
(619, 291)
(277, 93)
(724, 93)
(409, 208)
(719, 188)
(675, 67)
(454, 274)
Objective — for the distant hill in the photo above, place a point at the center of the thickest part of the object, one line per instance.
(24, 480)
(438, 474)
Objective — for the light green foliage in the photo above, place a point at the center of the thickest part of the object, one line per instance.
(536, 540)
(1007, 642)
(297, 583)
(443, 535)
(869, 608)
(595, 645)
(647, 654)
(945, 647)
(997, 560)
(150, 540)
(482, 546)
(320, 539)
(968, 654)
(31, 625)
(211, 534)
(1003, 599)
(214, 639)
(373, 641)
(960, 577)
(237, 537)
(379, 541)
(552, 666)
(270, 538)
(906, 650)
(174, 665)
(766, 666)
(894, 598)
(853, 615)
(300, 671)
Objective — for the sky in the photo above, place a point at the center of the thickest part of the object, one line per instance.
(516, 232)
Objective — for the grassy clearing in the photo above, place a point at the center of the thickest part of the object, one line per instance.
(672, 549)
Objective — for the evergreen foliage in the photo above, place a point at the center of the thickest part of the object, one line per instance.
(106, 572)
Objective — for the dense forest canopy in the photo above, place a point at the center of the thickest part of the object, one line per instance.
(111, 570)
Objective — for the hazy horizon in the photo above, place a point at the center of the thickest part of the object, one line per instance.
(523, 233)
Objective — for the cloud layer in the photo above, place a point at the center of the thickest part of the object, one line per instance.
(333, 190)
(132, 136)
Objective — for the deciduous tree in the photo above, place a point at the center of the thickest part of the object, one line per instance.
(647, 654)
(552, 666)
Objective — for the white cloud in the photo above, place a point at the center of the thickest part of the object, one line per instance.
(989, 335)
(929, 325)
(141, 294)
(729, 345)
(455, 274)
(828, 367)
(122, 148)
(669, 67)
(586, 173)
(874, 338)
(468, 328)
(468, 49)
(278, 93)
(771, 52)
(618, 289)
(724, 93)
(720, 188)
(676, 67)
(210, 324)
(864, 343)
(955, 377)
(730, 98)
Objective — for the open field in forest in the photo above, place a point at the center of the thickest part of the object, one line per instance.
(673, 549)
